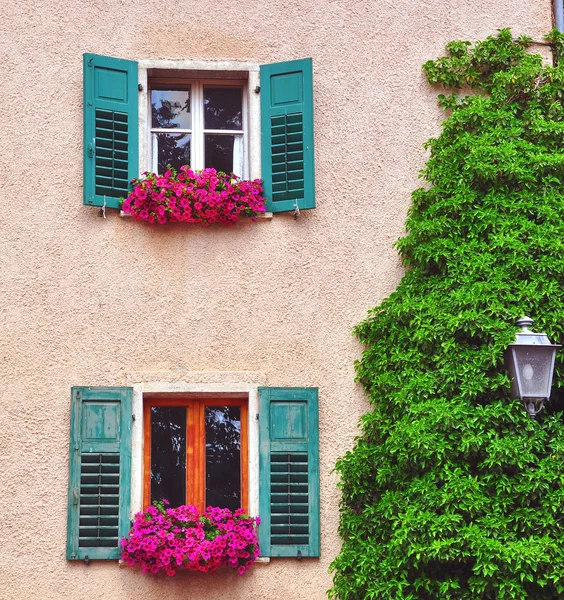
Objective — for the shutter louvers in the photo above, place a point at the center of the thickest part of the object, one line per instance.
(99, 500)
(289, 499)
(100, 468)
(110, 129)
(289, 472)
(287, 135)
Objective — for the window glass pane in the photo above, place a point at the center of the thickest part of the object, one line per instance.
(223, 456)
(168, 454)
(171, 109)
(170, 149)
(223, 107)
(224, 153)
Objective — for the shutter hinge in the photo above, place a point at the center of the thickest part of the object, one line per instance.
(296, 211)
(257, 417)
(78, 394)
(257, 89)
(140, 87)
(133, 417)
(299, 555)
(102, 211)
(91, 62)
(86, 560)
(90, 150)
(75, 496)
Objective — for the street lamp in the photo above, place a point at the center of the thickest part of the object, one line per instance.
(530, 362)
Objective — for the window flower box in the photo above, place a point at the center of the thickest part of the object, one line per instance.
(207, 197)
(168, 539)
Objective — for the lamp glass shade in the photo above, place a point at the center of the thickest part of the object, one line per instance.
(533, 369)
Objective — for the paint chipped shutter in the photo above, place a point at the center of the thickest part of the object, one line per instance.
(289, 472)
(111, 154)
(99, 472)
(286, 91)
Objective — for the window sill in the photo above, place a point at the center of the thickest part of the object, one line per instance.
(261, 560)
(267, 216)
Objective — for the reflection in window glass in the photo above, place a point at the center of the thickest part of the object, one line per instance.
(171, 149)
(223, 456)
(171, 109)
(223, 107)
(224, 153)
(168, 454)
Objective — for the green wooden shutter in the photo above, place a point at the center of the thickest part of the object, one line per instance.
(111, 136)
(100, 471)
(289, 472)
(286, 91)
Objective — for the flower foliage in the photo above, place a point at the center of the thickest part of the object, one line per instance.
(451, 491)
(167, 539)
(204, 197)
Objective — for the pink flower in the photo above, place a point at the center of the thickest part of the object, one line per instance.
(170, 538)
(206, 197)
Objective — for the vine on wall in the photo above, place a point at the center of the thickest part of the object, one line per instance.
(451, 491)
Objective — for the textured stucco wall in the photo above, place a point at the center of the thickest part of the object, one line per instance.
(87, 301)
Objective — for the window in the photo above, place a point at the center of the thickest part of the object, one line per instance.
(198, 123)
(193, 448)
(209, 117)
(195, 451)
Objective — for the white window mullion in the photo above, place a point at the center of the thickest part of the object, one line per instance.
(155, 147)
(233, 132)
(198, 126)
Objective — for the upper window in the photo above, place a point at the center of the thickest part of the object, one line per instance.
(196, 451)
(231, 120)
(198, 123)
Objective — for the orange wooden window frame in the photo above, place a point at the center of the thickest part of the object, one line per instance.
(195, 446)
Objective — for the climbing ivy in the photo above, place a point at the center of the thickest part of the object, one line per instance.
(451, 491)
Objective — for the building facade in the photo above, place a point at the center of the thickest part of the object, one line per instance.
(113, 329)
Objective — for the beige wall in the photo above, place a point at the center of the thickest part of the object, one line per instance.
(88, 301)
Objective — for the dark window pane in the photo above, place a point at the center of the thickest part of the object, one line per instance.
(168, 454)
(223, 107)
(171, 109)
(219, 152)
(223, 456)
(172, 149)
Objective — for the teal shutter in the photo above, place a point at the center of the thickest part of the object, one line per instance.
(100, 471)
(286, 91)
(289, 472)
(111, 136)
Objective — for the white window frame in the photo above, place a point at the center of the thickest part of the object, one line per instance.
(251, 106)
